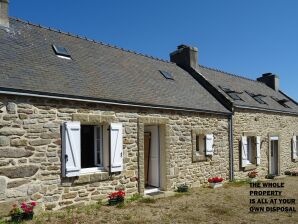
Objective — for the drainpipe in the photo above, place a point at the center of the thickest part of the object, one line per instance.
(231, 160)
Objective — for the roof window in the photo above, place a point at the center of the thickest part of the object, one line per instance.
(233, 94)
(257, 97)
(61, 52)
(167, 75)
(281, 101)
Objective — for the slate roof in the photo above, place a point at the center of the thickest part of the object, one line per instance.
(96, 71)
(241, 84)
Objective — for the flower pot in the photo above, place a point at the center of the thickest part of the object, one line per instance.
(16, 218)
(113, 201)
(28, 216)
(216, 185)
(182, 188)
(253, 180)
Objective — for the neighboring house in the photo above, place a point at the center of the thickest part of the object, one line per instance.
(80, 119)
(265, 120)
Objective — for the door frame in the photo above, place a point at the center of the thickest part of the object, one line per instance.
(274, 136)
(164, 150)
(154, 135)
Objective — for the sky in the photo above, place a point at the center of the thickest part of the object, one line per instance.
(243, 37)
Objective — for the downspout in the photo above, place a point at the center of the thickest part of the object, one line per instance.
(231, 151)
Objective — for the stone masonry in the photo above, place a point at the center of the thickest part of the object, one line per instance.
(264, 124)
(30, 151)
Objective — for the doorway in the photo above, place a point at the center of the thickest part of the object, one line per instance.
(274, 155)
(152, 158)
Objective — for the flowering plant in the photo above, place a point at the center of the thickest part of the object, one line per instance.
(215, 180)
(116, 197)
(252, 174)
(24, 212)
(28, 207)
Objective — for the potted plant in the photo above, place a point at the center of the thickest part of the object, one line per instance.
(116, 197)
(182, 188)
(28, 210)
(253, 176)
(24, 212)
(215, 182)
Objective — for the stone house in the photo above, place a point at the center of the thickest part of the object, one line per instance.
(265, 120)
(80, 119)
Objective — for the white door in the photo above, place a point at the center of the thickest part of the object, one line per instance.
(274, 156)
(154, 157)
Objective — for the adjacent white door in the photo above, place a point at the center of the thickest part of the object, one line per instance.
(153, 157)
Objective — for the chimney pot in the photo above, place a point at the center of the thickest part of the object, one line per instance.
(185, 56)
(4, 20)
(270, 80)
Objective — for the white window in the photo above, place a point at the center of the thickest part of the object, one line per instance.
(204, 144)
(250, 150)
(91, 148)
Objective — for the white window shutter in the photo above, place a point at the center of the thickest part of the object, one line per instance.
(71, 149)
(244, 151)
(116, 147)
(209, 144)
(258, 148)
(294, 147)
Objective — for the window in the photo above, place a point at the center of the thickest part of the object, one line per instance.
(202, 145)
(231, 93)
(90, 148)
(295, 147)
(250, 150)
(281, 102)
(61, 51)
(257, 97)
(167, 75)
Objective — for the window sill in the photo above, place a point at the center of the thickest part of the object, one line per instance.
(250, 167)
(199, 158)
(91, 177)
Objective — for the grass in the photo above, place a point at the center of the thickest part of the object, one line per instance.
(229, 204)
(148, 200)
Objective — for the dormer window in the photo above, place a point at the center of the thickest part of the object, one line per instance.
(281, 101)
(257, 97)
(231, 93)
(61, 52)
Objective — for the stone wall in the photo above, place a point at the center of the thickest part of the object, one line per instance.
(264, 124)
(30, 151)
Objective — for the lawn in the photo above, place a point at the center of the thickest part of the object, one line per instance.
(229, 204)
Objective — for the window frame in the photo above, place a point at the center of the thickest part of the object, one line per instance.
(199, 156)
(251, 150)
(97, 166)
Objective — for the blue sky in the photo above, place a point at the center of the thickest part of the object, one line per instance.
(238, 36)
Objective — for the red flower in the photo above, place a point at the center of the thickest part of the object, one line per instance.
(33, 203)
(215, 180)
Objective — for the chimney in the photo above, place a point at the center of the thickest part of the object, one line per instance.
(185, 56)
(270, 80)
(4, 21)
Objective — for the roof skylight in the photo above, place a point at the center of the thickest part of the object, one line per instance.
(281, 101)
(257, 97)
(167, 75)
(61, 51)
(233, 94)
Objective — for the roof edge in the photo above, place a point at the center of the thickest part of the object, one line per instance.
(266, 110)
(18, 92)
(90, 40)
